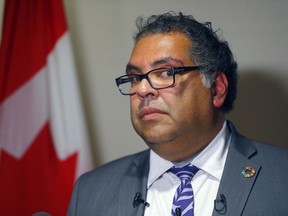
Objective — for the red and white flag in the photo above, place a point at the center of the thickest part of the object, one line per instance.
(43, 142)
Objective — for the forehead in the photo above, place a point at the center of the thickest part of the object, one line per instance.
(154, 47)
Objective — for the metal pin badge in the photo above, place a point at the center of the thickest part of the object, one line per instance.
(248, 171)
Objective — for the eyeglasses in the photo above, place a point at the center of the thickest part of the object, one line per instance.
(159, 78)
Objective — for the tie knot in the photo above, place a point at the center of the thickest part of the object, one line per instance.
(185, 173)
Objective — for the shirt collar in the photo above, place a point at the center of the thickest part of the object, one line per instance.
(158, 166)
(211, 159)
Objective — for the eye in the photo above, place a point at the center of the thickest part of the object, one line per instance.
(165, 73)
(133, 78)
(170, 72)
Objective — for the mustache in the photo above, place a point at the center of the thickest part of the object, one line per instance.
(151, 105)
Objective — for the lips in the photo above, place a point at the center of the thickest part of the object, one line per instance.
(149, 111)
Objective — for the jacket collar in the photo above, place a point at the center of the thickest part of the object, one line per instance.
(133, 182)
(234, 187)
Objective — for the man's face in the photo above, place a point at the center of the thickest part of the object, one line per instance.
(178, 118)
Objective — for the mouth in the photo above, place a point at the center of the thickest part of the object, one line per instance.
(150, 112)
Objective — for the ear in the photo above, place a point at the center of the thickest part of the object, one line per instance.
(219, 89)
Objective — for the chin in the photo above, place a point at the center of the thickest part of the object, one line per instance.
(157, 139)
(154, 134)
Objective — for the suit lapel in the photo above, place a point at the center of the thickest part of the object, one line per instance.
(134, 181)
(234, 187)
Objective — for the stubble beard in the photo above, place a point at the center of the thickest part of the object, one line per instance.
(154, 137)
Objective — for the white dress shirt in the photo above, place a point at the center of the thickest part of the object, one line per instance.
(162, 185)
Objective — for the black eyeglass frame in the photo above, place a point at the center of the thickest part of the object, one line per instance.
(174, 70)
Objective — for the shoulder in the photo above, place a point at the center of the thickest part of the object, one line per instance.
(259, 152)
(271, 153)
(264, 147)
(116, 168)
(269, 163)
(90, 194)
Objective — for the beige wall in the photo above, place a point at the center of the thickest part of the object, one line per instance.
(257, 31)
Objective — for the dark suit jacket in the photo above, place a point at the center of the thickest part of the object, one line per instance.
(110, 189)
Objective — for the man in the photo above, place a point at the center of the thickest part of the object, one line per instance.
(181, 79)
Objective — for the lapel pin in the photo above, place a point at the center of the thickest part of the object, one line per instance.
(248, 171)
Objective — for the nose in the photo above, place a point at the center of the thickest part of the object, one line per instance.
(144, 89)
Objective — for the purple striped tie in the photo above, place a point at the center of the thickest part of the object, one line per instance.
(183, 202)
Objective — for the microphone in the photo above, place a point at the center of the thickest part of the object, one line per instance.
(220, 205)
(138, 200)
(178, 212)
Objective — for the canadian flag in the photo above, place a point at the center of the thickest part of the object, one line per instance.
(43, 142)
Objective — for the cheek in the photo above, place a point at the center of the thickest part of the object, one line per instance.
(195, 102)
(133, 107)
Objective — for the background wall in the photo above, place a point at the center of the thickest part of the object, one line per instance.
(256, 30)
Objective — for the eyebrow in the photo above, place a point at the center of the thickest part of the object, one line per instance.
(131, 67)
(165, 60)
